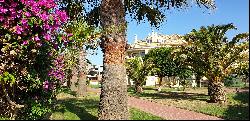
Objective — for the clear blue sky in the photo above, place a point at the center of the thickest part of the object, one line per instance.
(182, 22)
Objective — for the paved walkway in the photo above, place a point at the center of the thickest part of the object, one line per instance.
(167, 112)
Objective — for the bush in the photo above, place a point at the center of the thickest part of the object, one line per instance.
(233, 82)
(30, 66)
(36, 111)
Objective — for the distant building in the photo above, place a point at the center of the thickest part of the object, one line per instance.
(154, 40)
(94, 74)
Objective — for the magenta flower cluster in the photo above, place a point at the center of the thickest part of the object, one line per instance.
(48, 85)
(57, 71)
(32, 24)
(33, 20)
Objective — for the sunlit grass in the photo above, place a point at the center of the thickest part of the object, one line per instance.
(4, 118)
(136, 114)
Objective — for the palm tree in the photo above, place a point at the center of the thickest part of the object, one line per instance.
(212, 52)
(83, 37)
(82, 77)
(110, 15)
(137, 71)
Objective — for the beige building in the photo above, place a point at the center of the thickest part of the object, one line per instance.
(154, 40)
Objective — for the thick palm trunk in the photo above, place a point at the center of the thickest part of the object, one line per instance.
(82, 87)
(216, 92)
(73, 80)
(68, 78)
(113, 98)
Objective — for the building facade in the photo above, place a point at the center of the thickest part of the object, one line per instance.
(94, 74)
(154, 40)
(141, 47)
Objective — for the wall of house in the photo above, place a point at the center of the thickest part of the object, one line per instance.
(151, 80)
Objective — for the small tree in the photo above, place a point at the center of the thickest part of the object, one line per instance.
(162, 62)
(182, 70)
(210, 50)
(136, 70)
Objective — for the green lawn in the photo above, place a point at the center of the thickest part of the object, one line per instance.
(136, 114)
(95, 86)
(3, 118)
(237, 105)
(87, 109)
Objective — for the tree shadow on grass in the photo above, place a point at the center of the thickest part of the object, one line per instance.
(239, 112)
(150, 88)
(68, 91)
(78, 107)
(175, 96)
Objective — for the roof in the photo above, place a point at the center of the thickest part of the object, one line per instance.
(157, 40)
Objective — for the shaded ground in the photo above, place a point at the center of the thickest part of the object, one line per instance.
(71, 108)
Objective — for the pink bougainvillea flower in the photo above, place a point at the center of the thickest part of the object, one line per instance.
(44, 17)
(46, 26)
(35, 10)
(46, 85)
(1, 18)
(3, 10)
(19, 29)
(27, 14)
(37, 38)
(12, 10)
(24, 21)
(25, 42)
(62, 15)
(20, 11)
(13, 4)
(47, 37)
(70, 34)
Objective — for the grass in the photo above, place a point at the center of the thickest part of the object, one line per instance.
(136, 114)
(236, 108)
(95, 86)
(4, 118)
(86, 108)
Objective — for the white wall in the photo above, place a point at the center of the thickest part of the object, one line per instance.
(151, 80)
(93, 83)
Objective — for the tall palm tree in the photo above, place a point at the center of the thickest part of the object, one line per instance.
(82, 77)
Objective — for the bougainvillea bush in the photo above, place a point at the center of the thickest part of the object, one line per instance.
(31, 70)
